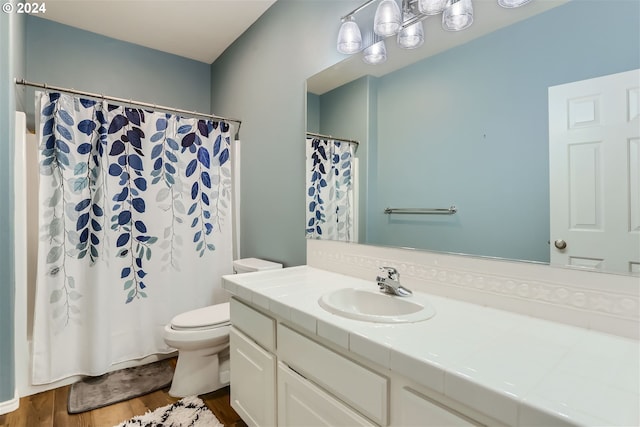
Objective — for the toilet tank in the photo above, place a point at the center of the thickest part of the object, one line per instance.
(247, 265)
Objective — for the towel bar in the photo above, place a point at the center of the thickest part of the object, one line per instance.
(421, 211)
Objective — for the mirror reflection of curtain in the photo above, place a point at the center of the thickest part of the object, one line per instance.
(330, 190)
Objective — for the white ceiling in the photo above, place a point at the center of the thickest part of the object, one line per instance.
(195, 29)
(203, 29)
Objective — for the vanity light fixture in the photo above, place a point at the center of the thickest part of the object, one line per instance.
(406, 23)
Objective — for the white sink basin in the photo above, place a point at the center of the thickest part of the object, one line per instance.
(375, 306)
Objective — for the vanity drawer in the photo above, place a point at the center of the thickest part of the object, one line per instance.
(362, 389)
(259, 327)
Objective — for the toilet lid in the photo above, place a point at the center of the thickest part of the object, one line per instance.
(213, 315)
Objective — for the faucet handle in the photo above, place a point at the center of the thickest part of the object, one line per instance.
(391, 273)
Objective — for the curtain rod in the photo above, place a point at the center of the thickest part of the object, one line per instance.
(128, 101)
(350, 141)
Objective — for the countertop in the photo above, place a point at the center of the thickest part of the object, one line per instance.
(517, 369)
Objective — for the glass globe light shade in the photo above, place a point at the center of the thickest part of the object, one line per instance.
(349, 37)
(412, 36)
(457, 15)
(512, 3)
(376, 53)
(388, 19)
(431, 7)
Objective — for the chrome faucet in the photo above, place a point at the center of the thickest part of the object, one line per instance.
(389, 282)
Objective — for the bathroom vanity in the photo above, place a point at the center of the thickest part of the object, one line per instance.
(309, 382)
(295, 363)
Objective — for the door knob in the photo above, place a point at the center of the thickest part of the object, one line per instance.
(560, 244)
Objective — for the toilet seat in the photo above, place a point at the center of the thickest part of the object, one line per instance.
(213, 316)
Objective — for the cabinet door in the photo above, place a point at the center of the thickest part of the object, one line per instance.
(417, 410)
(360, 387)
(301, 403)
(253, 381)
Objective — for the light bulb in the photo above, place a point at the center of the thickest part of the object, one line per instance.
(376, 53)
(431, 7)
(388, 19)
(457, 15)
(349, 37)
(512, 3)
(412, 36)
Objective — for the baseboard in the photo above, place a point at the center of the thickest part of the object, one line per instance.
(10, 405)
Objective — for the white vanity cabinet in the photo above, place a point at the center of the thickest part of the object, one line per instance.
(263, 396)
(253, 366)
(282, 377)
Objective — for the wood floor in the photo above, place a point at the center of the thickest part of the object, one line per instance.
(49, 409)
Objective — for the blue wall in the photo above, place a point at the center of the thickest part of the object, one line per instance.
(11, 66)
(64, 56)
(261, 79)
(469, 126)
(345, 113)
(313, 112)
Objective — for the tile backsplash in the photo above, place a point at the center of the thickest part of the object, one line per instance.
(599, 301)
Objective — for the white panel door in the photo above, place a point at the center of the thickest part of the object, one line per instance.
(253, 381)
(594, 173)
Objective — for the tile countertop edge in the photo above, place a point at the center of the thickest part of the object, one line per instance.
(511, 409)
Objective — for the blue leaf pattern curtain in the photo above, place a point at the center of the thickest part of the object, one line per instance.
(135, 227)
(330, 195)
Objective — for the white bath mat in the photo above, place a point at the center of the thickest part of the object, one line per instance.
(190, 411)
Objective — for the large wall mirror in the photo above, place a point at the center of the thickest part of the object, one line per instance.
(469, 126)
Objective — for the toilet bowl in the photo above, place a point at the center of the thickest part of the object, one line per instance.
(201, 337)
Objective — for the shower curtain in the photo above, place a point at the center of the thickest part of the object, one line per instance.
(330, 195)
(134, 225)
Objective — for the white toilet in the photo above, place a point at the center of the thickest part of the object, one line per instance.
(201, 337)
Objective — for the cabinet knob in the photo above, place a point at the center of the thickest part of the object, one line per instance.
(560, 244)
